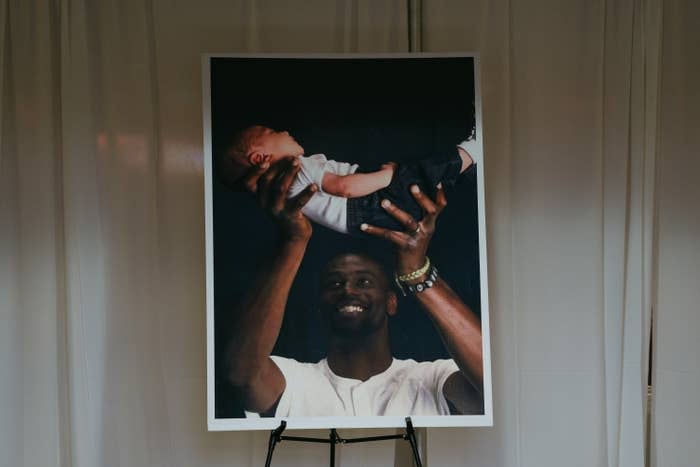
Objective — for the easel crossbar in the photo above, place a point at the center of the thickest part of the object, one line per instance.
(276, 437)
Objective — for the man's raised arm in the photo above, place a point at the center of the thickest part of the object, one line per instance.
(258, 317)
(457, 324)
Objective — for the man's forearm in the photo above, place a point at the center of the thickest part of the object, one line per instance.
(459, 328)
(259, 317)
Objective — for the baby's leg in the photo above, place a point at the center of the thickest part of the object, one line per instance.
(467, 161)
(469, 152)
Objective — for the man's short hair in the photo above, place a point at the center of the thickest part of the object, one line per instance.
(366, 256)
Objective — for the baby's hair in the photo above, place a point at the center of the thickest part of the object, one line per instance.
(243, 141)
(231, 161)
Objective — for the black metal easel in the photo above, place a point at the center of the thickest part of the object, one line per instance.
(276, 436)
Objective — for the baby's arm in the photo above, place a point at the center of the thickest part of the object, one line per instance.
(357, 184)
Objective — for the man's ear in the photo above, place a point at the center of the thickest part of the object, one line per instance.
(392, 304)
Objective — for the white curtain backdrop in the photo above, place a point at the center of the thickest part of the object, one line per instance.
(591, 111)
(676, 413)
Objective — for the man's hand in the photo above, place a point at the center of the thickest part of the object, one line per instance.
(412, 244)
(271, 184)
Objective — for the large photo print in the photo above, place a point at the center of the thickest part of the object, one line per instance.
(345, 242)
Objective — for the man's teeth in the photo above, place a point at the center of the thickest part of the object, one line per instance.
(351, 309)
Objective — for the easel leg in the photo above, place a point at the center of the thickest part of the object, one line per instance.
(333, 440)
(411, 437)
(275, 437)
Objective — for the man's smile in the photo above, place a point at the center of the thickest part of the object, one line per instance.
(351, 309)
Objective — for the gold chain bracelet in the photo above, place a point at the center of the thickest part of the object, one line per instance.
(415, 274)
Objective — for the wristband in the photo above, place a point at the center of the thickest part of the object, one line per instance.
(420, 286)
(426, 284)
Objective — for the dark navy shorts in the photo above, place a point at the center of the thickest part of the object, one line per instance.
(426, 173)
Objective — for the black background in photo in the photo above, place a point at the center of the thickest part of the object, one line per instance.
(365, 111)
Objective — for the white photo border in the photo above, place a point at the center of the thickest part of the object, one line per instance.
(269, 423)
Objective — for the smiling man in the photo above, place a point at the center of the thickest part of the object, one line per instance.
(359, 377)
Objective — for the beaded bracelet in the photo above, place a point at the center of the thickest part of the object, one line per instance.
(419, 287)
(426, 284)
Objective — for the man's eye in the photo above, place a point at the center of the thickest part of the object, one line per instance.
(364, 283)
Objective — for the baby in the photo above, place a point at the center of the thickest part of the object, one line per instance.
(346, 198)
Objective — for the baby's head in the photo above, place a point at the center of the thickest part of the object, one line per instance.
(253, 146)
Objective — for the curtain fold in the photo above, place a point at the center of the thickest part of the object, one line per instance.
(32, 223)
(627, 258)
(11, 424)
(676, 369)
(102, 331)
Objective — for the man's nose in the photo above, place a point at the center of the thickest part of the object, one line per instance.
(350, 289)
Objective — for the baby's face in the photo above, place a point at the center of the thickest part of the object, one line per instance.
(277, 144)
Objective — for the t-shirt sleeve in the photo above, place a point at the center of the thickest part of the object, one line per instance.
(312, 170)
(340, 168)
(440, 371)
(293, 372)
(314, 167)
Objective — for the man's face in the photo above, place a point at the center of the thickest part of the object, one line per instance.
(277, 144)
(355, 296)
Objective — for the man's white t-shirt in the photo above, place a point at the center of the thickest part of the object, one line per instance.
(323, 208)
(405, 388)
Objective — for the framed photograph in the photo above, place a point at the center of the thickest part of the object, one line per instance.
(348, 348)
